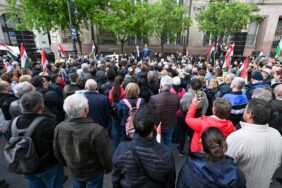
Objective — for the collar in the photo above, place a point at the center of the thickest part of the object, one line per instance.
(255, 127)
(80, 120)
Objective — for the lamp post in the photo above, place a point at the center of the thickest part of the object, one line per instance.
(72, 29)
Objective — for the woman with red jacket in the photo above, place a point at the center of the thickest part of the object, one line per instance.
(115, 95)
(221, 110)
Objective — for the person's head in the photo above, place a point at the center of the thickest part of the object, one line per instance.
(176, 81)
(117, 88)
(85, 67)
(32, 103)
(229, 78)
(76, 106)
(256, 78)
(25, 78)
(213, 83)
(151, 76)
(221, 108)
(278, 92)
(55, 78)
(262, 93)
(37, 81)
(144, 121)
(73, 77)
(132, 90)
(111, 74)
(23, 87)
(91, 85)
(4, 87)
(257, 111)
(196, 84)
(213, 143)
(237, 84)
(166, 83)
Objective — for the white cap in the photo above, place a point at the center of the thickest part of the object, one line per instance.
(176, 81)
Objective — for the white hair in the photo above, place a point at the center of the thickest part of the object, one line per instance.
(263, 94)
(166, 83)
(229, 77)
(84, 66)
(75, 105)
(91, 84)
(238, 83)
(23, 87)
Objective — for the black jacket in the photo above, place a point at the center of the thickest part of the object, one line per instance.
(276, 122)
(156, 159)
(199, 172)
(5, 101)
(42, 138)
(223, 89)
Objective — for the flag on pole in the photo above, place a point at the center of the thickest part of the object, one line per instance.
(261, 54)
(8, 66)
(24, 58)
(93, 52)
(10, 52)
(62, 53)
(211, 53)
(159, 133)
(242, 72)
(44, 60)
(279, 51)
(228, 56)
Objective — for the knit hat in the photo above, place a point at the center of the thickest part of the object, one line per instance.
(176, 81)
(257, 76)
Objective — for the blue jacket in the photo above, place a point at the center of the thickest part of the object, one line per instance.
(199, 172)
(236, 98)
(250, 90)
(98, 108)
(123, 110)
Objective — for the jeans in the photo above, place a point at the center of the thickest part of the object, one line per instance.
(116, 131)
(167, 137)
(183, 134)
(52, 178)
(95, 183)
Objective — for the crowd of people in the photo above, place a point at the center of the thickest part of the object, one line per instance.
(102, 115)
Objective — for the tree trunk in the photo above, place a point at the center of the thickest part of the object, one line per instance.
(79, 43)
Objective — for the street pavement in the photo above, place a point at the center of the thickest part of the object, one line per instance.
(17, 181)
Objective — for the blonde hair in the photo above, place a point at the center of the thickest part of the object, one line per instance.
(213, 83)
(132, 90)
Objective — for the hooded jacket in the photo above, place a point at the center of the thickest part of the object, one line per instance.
(199, 172)
(199, 125)
(156, 160)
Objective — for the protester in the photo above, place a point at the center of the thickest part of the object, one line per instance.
(166, 105)
(224, 87)
(143, 162)
(6, 98)
(276, 105)
(256, 148)
(257, 82)
(82, 145)
(211, 168)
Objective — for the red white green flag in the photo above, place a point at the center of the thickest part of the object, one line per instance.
(61, 51)
(228, 56)
(10, 52)
(279, 51)
(243, 68)
(24, 57)
(211, 53)
(44, 60)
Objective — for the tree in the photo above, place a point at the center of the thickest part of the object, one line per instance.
(221, 19)
(169, 19)
(124, 19)
(48, 15)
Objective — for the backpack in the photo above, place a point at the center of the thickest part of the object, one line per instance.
(19, 152)
(114, 109)
(129, 126)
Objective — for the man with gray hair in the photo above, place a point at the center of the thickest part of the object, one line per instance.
(224, 88)
(49, 173)
(82, 145)
(263, 94)
(166, 105)
(98, 104)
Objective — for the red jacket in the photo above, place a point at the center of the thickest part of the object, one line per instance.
(121, 96)
(199, 125)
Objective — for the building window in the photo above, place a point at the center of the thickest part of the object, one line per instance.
(178, 40)
(106, 37)
(133, 40)
(252, 34)
(277, 36)
(206, 40)
(66, 36)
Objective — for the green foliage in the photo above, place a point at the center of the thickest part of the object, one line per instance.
(169, 19)
(223, 19)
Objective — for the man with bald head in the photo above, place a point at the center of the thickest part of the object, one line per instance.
(6, 98)
(98, 104)
(277, 107)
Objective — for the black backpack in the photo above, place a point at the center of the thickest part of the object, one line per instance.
(19, 152)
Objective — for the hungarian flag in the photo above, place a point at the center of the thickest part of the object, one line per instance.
(93, 52)
(44, 60)
(159, 133)
(243, 68)
(24, 58)
(261, 54)
(61, 51)
(211, 53)
(10, 52)
(279, 51)
(228, 56)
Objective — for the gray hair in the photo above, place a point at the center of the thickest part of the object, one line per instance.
(152, 75)
(263, 94)
(85, 67)
(75, 105)
(31, 102)
(166, 83)
(23, 87)
(238, 83)
(91, 84)
(229, 77)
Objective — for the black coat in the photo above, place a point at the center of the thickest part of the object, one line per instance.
(156, 159)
